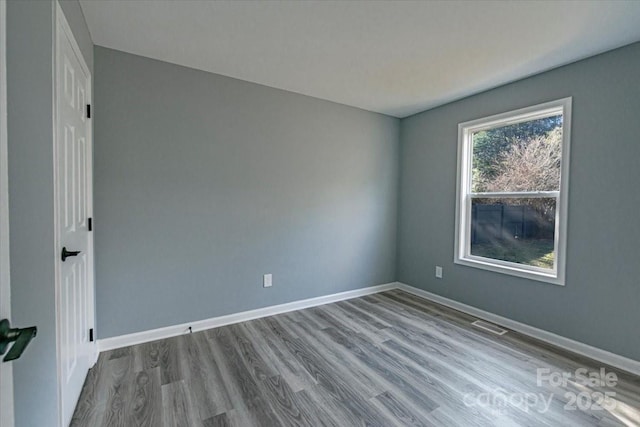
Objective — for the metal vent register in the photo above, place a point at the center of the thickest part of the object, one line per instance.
(489, 327)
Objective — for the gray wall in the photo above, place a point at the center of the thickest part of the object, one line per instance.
(203, 183)
(599, 304)
(30, 149)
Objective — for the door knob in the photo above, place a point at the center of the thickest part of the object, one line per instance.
(22, 338)
(66, 253)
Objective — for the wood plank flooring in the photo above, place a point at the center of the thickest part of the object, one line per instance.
(390, 359)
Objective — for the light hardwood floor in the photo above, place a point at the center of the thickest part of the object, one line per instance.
(383, 360)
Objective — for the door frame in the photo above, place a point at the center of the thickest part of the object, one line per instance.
(61, 24)
(6, 381)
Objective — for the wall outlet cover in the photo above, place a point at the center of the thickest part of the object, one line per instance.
(267, 280)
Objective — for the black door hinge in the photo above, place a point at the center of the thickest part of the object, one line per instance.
(91, 335)
(90, 224)
(88, 111)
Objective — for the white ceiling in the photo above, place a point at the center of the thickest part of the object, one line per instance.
(393, 57)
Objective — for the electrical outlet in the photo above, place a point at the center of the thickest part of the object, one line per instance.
(267, 280)
(438, 272)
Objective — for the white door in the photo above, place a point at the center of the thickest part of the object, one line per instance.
(6, 377)
(73, 177)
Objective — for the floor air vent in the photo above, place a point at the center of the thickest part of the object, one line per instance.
(489, 327)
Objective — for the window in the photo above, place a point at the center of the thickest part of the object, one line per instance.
(512, 192)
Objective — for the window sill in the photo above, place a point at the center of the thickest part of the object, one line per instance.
(511, 269)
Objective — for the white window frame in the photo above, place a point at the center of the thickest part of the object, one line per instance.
(464, 197)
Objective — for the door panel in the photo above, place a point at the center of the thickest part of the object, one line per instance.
(74, 205)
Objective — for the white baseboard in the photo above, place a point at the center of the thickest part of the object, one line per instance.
(214, 322)
(612, 359)
(606, 357)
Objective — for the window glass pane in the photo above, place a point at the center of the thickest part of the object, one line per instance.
(519, 230)
(518, 157)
